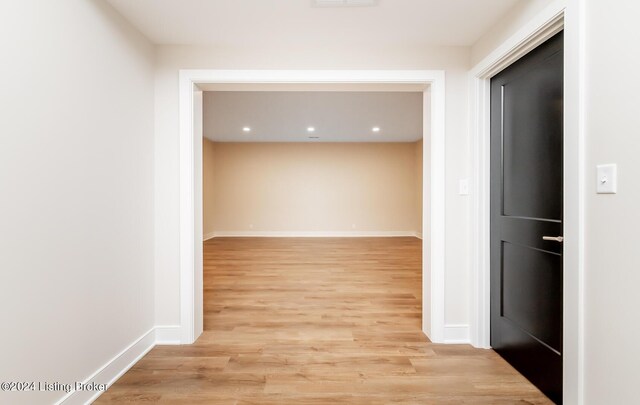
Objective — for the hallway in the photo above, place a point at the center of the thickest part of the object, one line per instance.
(317, 321)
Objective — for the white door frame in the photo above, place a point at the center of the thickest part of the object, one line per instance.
(561, 14)
(433, 264)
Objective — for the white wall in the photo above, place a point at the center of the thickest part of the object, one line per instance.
(517, 17)
(172, 58)
(76, 191)
(612, 261)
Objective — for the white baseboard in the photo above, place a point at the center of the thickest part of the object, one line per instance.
(121, 363)
(165, 335)
(207, 236)
(113, 369)
(168, 335)
(310, 234)
(456, 334)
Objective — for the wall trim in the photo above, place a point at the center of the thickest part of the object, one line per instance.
(560, 14)
(541, 28)
(167, 335)
(113, 369)
(434, 206)
(209, 235)
(311, 234)
(456, 334)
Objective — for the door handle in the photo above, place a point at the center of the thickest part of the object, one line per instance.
(553, 238)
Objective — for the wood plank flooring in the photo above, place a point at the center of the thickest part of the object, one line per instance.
(317, 321)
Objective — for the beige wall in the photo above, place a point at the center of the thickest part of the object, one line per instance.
(345, 188)
(417, 153)
(208, 188)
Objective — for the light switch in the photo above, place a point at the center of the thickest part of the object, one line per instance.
(463, 187)
(607, 179)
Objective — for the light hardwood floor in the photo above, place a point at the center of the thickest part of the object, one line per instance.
(317, 321)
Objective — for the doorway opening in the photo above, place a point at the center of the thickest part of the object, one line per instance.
(192, 84)
(312, 212)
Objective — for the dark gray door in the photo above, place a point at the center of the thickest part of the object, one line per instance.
(526, 215)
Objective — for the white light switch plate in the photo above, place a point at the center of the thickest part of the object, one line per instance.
(463, 187)
(607, 179)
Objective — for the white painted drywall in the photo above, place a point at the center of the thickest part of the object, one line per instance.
(612, 257)
(76, 191)
(297, 23)
(515, 18)
(172, 58)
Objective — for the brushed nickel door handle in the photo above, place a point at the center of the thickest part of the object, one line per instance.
(553, 238)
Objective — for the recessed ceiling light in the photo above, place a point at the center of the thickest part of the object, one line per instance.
(246, 129)
(375, 129)
(311, 129)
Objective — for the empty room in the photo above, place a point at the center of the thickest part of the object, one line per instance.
(319, 202)
(304, 192)
(312, 218)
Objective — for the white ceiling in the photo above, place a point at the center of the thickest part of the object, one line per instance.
(242, 23)
(284, 116)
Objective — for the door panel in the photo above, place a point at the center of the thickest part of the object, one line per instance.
(532, 103)
(527, 204)
(530, 283)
